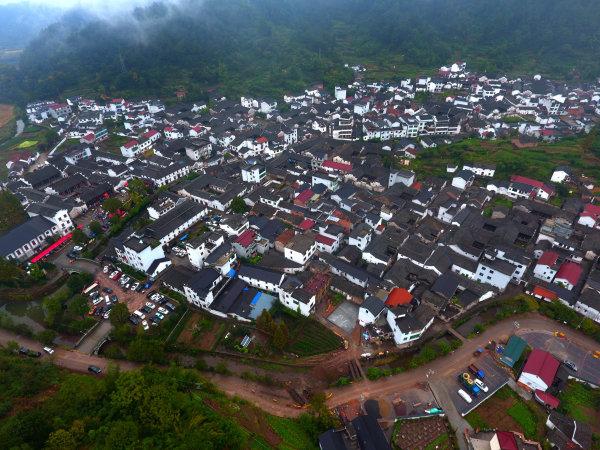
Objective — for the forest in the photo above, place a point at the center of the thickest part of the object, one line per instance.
(42, 406)
(267, 47)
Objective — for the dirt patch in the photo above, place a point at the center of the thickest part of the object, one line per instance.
(594, 423)
(21, 404)
(251, 419)
(494, 414)
(417, 434)
(203, 340)
(7, 112)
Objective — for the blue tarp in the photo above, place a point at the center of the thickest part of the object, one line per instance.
(256, 298)
(232, 273)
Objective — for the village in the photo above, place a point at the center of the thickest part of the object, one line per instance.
(317, 210)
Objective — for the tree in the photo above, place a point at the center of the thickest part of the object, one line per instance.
(122, 435)
(46, 337)
(238, 205)
(52, 307)
(96, 227)
(61, 440)
(13, 213)
(9, 272)
(78, 281)
(280, 336)
(119, 314)
(146, 350)
(79, 237)
(112, 204)
(36, 273)
(264, 321)
(78, 306)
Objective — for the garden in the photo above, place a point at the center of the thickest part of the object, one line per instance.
(505, 410)
(427, 433)
(582, 403)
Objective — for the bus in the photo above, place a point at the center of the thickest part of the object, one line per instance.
(90, 288)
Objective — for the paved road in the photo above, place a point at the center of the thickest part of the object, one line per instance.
(20, 127)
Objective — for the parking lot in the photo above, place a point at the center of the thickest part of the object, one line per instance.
(144, 311)
(495, 378)
(588, 367)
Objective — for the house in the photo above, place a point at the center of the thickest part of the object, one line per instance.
(542, 191)
(25, 240)
(175, 222)
(143, 254)
(369, 434)
(547, 266)
(298, 299)
(567, 433)
(463, 179)
(300, 248)
(481, 170)
(588, 303)
(254, 173)
(245, 244)
(261, 278)
(590, 216)
(202, 289)
(360, 236)
(561, 174)
(370, 310)
(539, 370)
(568, 275)
(410, 326)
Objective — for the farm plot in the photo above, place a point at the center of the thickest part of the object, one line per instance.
(311, 338)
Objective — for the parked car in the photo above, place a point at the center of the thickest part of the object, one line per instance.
(97, 300)
(28, 352)
(140, 314)
(95, 370)
(163, 310)
(105, 269)
(170, 306)
(145, 325)
(475, 371)
(145, 309)
(466, 397)
(114, 298)
(160, 316)
(150, 305)
(135, 285)
(48, 350)
(481, 385)
(107, 290)
(134, 319)
(571, 365)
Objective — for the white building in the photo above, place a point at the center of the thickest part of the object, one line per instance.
(143, 254)
(298, 300)
(300, 248)
(254, 173)
(410, 326)
(370, 310)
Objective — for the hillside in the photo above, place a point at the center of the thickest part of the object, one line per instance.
(270, 46)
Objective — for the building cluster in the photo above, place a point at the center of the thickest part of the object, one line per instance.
(326, 210)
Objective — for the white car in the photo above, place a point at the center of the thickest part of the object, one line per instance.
(97, 300)
(163, 310)
(113, 275)
(135, 285)
(145, 325)
(160, 316)
(48, 350)
(77, 248)
(481, 385)
(105, 269)
(106, 314)
(466, 397)
(150, 305)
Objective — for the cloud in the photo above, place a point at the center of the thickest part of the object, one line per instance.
(98, 6)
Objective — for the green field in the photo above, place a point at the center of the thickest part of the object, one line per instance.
(27, 144)
(308, 337)
(524, 417)
(537, 162)
(577, 401)
(292, 434)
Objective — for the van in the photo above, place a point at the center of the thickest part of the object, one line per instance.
(466, 397)
(140, 314)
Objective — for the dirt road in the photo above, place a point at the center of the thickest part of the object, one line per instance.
(276, 402)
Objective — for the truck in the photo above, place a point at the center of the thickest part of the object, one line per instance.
(468, 383)
(477, 372)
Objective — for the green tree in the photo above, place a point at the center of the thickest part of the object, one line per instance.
(36, 273)
(122, 435)
(78, 305)
(264, 321)
(13, 213)
(143, 349)
(61, 440)
(52, 308)
(112, 204)
(239, 206)
(280, 336)
(119, 314)
(79, 237)
(96, 227)
(9, 272)
(46, 337)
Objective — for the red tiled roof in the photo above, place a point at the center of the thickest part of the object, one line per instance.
(547, 399)
(569, 271)
(591, 211)
(548, 258)
(131, 144)
(531, 182)
(324, 240)
(305, 195)
(306, 224)
(149, 134)
(246, 238)
(507, 440)
(398, 296)
(262, 140)
(542, 364)
(343, 167)
(544, 293)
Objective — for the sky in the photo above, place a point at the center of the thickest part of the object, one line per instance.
(89, 4)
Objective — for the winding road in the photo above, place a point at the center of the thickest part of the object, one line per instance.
(277, 402)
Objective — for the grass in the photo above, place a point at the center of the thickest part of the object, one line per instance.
(292, 434)
(312, 338)
(524, 417)
(440, 442)
(538, 162)
(577, 399)
(476, 421)
(27, 144)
